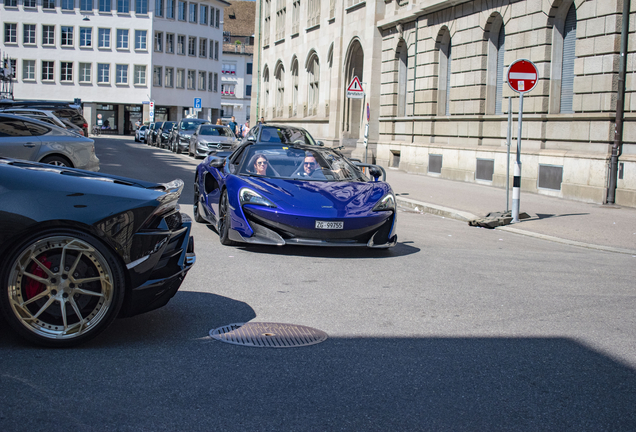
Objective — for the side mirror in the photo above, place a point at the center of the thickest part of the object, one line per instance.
(375, 172)
(320, 143)
(217, 162)
(251, 138)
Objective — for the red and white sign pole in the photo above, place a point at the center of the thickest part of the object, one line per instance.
(522, 78)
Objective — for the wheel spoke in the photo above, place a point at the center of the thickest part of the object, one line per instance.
(87, 280)
(35, 298)
(48, 303)
(63, 312)
(86, 292)
(76, 309)
(35, 278)
(44, 268)
(74, 266)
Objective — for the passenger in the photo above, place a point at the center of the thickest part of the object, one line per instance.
(260, 165)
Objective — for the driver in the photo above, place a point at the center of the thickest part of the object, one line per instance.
(310, 167)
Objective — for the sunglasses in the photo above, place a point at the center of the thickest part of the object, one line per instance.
(309, 163)
(261, 163)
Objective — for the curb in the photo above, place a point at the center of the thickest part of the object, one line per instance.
(465, 217)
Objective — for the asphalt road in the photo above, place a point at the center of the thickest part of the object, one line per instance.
(456, 328)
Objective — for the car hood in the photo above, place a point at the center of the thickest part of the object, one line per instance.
(339, 199)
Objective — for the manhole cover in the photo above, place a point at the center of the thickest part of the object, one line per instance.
(268, 335)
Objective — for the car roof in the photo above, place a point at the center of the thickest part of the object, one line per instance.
(34, 120)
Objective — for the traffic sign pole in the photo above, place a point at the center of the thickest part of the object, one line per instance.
(516, 183)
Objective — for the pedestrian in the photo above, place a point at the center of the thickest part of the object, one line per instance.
(219, 122)
(262, 120)
(233, 125)
(245, 129)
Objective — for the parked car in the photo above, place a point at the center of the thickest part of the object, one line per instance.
(72, 127)
(151, 128)
(163, 136)
(140, 134)
(280, 134)
(30, 139)
(180, 137)
(93, 247)
(154, 134)
(42, 115)
(294, 194)
(67, 110)
(212, 139)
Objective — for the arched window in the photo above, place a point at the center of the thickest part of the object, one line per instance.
(402, 75)
(444, 73)
(567, 70)
(265, 91)
(313, 73)
(330, 66)
(495, 72)
(280, 90)
(294, 73)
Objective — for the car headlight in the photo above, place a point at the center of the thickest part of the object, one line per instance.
(248, 196)
(386, 203)
(202, 145)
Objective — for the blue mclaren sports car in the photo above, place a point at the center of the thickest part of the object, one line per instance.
(294, 194)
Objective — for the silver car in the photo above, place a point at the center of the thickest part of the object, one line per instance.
(30, 139)
(212, 139)
(140, 134)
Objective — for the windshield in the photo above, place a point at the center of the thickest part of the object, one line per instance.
(286, 136)
(189, 125)
(298, 162)
(167, 125)
(216, 131)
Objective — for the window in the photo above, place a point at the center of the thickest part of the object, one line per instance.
(216, 50)
(212, 15)
(181, 44)
(103, 73)
(10, 3)
(248, 90)
(10, 33)
(67, 36)
(402, 58)
(103, 38)
(280, 90)
(313, 13)
(122, 39)
(13, 67)
(66, 71)
(203, 47)
(192, 45)
(249, 69)
(121, 74)
(444, 73)
(140, 75)
(281, 15)
(156, 76)
(84, 72)
(140, 40)
(141, 6)
(210, 81)
(123, 6)
(86, 5)
(48, 4)
(48, 70)
(218, 18)
(28, 70)
(68, 5)
(159, 41)
(201, 82)
(28, 37)
(295, 17)
(191, 79)
(180, 78)
(192, 12)
(182, 11)
(294, 74)
(170, 9)
(48, 35)
(86, 37)
(169, 77)
(159, 8)
(203, 14)
(313, 72)
(215, 88)
(568, 57)
(170, 43)
(105, 6)
(266, 21)
(30, 3)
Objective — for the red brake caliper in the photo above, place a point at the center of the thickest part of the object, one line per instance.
(33, 287)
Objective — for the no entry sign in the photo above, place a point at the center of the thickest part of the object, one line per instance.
(522, 76)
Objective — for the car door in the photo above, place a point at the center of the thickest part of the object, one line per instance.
(17, 141)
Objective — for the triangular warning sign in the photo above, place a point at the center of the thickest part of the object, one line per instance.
(355, 85)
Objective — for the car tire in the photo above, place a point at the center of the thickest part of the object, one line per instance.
(195, 211)
(57, 161)
(177, 148)
(224, 221)
(58, 305)
(136, 139)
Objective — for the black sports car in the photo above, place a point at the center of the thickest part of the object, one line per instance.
(78, 249)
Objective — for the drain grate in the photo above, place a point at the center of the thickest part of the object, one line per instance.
(268, 335)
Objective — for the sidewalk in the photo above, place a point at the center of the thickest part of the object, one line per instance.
(596, 226)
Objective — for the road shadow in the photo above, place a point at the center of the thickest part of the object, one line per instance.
(161, 372)
(548, 216)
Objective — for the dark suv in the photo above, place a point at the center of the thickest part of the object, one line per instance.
(181, 134)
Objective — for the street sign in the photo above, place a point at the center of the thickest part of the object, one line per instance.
(522, 76)
(197, 103)
(354, 90)
(151, 112)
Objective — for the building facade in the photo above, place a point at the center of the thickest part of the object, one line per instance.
(117, 56)
(435, 91)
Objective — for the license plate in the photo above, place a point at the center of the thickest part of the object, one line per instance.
(329, 225)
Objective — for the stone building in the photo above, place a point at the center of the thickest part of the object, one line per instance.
(434, 75)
